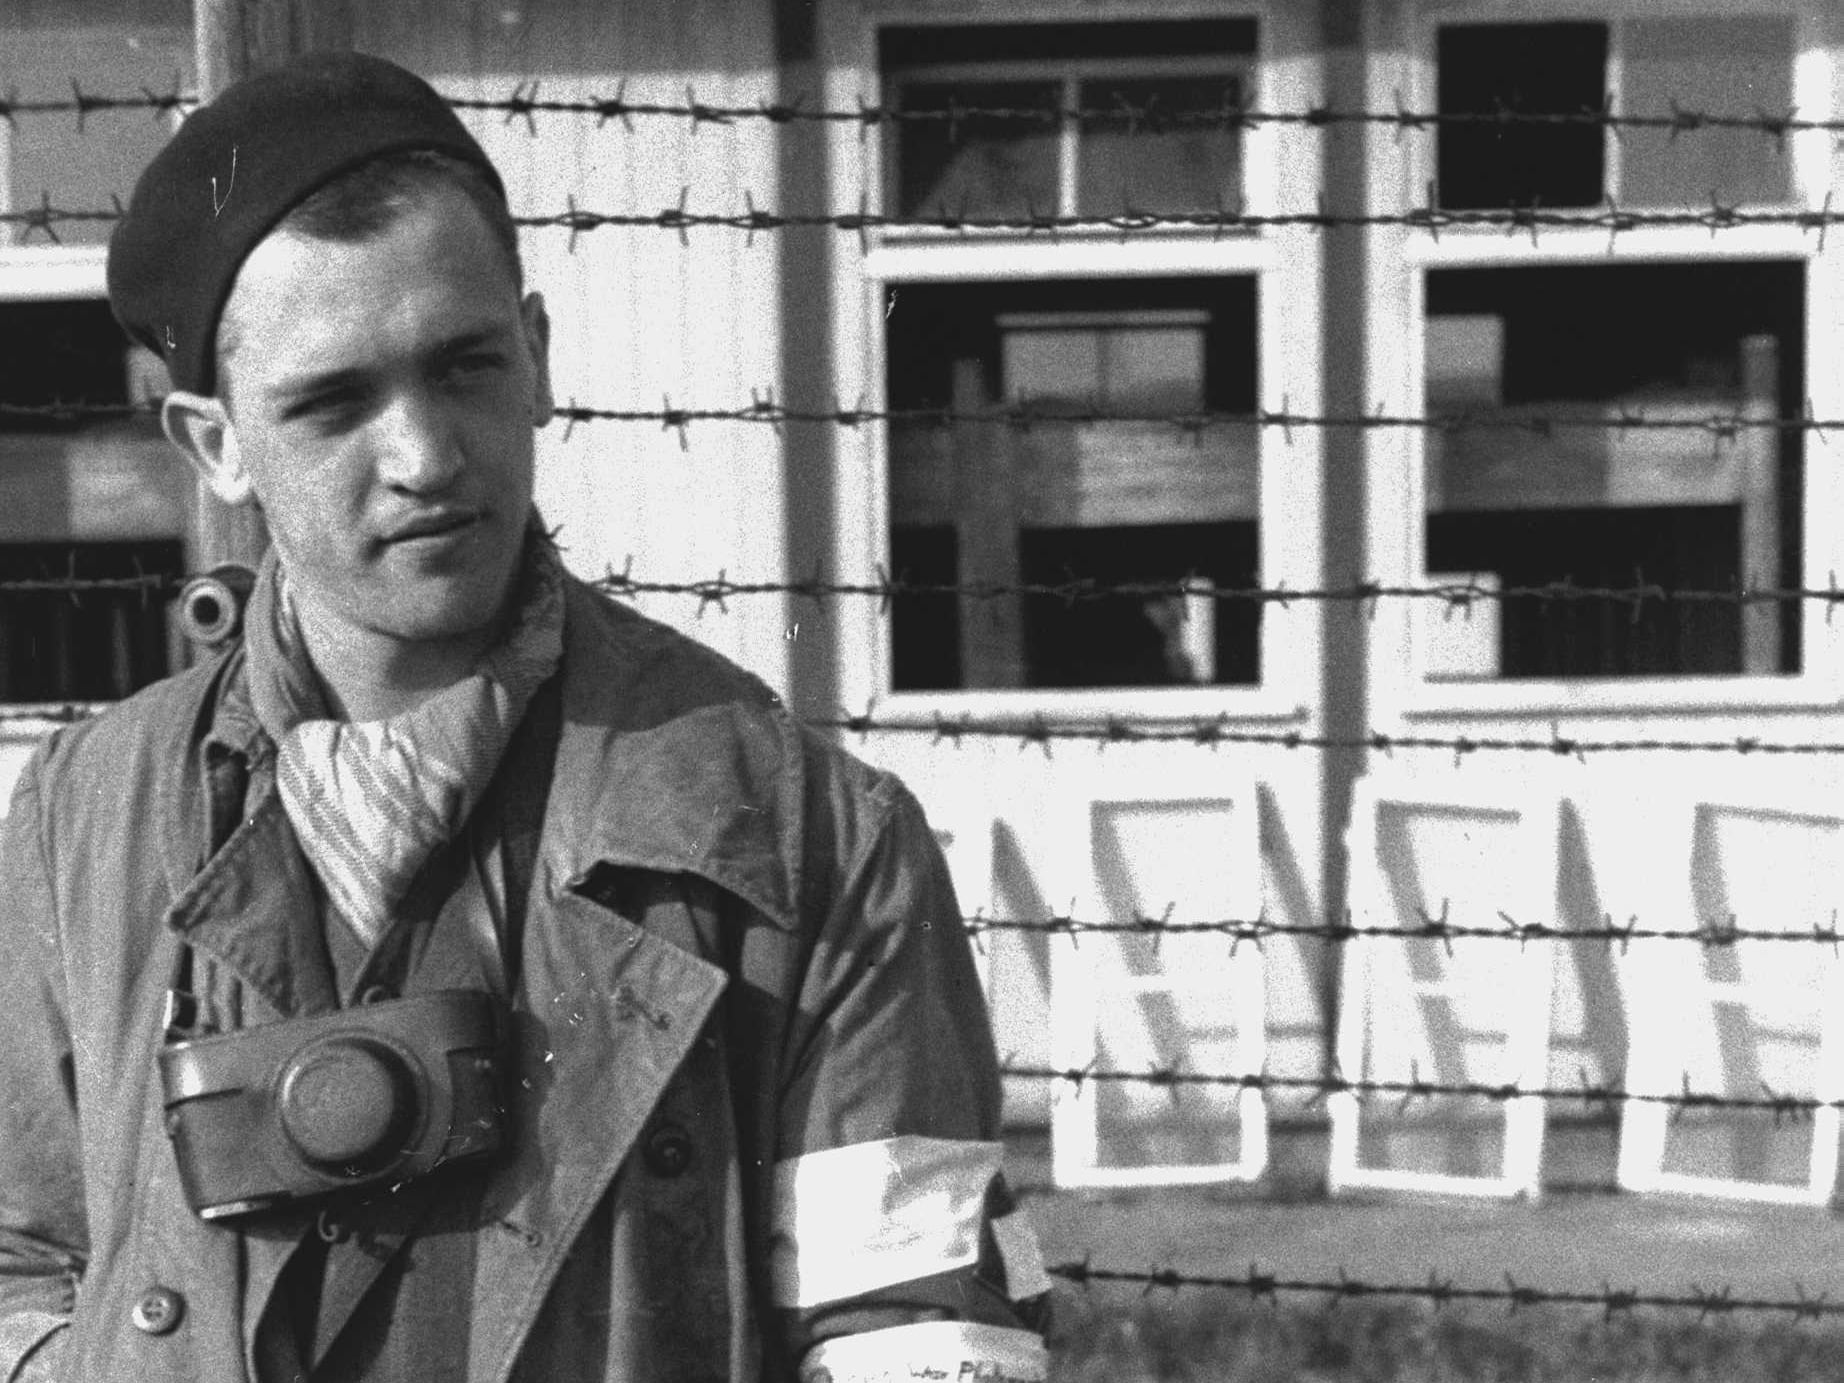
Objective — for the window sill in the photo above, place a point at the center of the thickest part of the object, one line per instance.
(40, 272)
(950, 255)
(1085, 707)
(1623, 695)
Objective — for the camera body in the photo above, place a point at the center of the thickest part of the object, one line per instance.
(376, 1094)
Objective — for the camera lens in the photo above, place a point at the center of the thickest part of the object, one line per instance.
(347, 1103)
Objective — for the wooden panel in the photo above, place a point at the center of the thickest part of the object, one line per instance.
(1523, 467)
(1089, 475)
(99, 485)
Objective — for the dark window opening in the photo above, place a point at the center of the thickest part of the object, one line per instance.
(59, 353)
(1142, 639)
(99, 646)
(1083, 505)
(1522, 492)
(925, 625)
(1690, 547)
(1526, 69)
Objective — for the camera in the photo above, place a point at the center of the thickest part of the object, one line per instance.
(307, 1107)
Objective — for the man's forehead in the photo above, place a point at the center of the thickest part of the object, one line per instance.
(304, 306)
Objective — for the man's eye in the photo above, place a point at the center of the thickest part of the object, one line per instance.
(330, 406)
(472, 365)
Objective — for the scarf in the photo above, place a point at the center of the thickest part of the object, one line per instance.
(370, 801)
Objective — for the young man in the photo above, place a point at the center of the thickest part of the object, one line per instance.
(464, 977)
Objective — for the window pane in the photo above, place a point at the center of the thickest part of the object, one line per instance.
(1165, 144)
(1527, 69)
(1141, 639)
(101, 648)
(978, 165)
(1534, 482)
(1717, 66)
(49, 156)
(1120, 362)
(1084, 506)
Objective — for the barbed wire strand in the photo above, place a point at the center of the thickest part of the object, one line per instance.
(1261, 1286)
(46, 218)
(1593, 1094)
(1426, 927)
(1040, 731)
(1457, 596)
(1211, 732)
(1718, 425)
(526, 100)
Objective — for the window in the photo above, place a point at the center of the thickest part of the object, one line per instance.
(1648, 68)
(1516, 357)
(81, 499)
(1038, 463)
(1068, 504)
(1085, 121)
(87, 497)
(1608, 421)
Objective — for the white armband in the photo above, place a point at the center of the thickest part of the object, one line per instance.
(933, 1351)
(850, 1220)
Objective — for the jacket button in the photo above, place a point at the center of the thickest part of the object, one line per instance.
(158, 1311)
(667, 1151)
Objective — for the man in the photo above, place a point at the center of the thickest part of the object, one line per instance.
(731, 1108)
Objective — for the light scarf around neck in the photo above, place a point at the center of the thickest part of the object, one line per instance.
(370, 801)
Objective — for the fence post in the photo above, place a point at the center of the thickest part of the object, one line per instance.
(233, 39)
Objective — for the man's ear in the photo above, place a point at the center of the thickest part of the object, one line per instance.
(201, 427)
(538, 342)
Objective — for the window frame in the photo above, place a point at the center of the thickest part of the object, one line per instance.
(1069, 73)
(1399, 260)
(1280, 170)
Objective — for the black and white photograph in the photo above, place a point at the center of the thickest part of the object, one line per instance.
(854, 691)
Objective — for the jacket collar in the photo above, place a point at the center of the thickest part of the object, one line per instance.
(670, 758)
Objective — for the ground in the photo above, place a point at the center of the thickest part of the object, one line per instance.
(1570, 1241)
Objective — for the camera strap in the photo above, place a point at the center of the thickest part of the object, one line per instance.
(520, 792)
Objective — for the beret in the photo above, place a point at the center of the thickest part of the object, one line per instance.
(236, 167)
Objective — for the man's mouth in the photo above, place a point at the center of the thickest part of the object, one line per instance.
(434, 525)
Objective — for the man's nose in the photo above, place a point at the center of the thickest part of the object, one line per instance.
(418, 445)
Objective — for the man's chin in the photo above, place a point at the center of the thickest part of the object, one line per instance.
(440, 609)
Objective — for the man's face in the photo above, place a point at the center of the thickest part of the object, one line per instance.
(380, 403)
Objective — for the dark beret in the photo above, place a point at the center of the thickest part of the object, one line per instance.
(236, 167)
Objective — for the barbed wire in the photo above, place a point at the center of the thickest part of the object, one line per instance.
(1175, 1080)
(46, 218)
(1040, 731)
(1214, 732)
(525, 101)
(1152, 116)
(83, 104)
(1426, 927)
(1440, 1292)
(764, 410)
(1458, 595)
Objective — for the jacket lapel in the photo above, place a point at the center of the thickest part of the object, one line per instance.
(251, 912)
(607, 1012)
